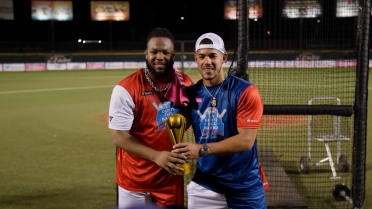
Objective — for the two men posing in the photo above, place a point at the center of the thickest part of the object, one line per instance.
(225, 114)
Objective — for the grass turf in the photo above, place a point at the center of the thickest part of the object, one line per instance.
(55, 150)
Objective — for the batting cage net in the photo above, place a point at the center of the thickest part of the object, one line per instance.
(306, 62)
(305, 148)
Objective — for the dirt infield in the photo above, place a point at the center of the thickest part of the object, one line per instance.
(275, 121)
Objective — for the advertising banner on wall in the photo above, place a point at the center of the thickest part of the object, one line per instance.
(289, 63)
(178, 64)
(6, 10)
(252, 64)
(280, 64)
(76, 66)
(134, 65)
(304, 63)
(265, 64)
(347, 8)
(109, 10)
(254, 9)
(35, 66)
(56, 66)
(1, 67)
(51, 10)
(95, 65)
(346, 63)
(14, 67)
(302, 9)
(114, 65)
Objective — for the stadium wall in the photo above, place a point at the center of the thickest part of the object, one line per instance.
(28, 67)
(102, 61)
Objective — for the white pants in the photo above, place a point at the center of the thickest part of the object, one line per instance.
(200, 197)
(128, 198)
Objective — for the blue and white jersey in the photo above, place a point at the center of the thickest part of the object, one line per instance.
(239, 105)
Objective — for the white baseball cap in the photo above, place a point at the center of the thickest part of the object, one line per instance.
(217, 42)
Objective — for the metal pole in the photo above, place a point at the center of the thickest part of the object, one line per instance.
(360, 106)
(242, 53)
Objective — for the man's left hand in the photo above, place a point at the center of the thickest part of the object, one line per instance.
(190, 150)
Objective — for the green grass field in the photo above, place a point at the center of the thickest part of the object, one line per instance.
(55, 149)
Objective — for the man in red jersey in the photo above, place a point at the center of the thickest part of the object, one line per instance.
(139, 105)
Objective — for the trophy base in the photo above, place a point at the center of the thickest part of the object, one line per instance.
(186, 169)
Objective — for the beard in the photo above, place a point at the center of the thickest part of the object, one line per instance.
(167, 71)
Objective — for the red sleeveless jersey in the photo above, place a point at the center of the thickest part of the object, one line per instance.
(136, 107)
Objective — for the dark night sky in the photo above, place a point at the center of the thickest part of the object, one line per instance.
(200, 16)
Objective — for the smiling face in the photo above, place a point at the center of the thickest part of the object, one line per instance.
(159, 56)
(210, 63)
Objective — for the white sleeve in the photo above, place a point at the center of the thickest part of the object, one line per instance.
(121, 109)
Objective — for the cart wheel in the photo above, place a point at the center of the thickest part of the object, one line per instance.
(343, 164)
(304, 165)
(341, 192)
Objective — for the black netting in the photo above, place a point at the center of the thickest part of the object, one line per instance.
(306, 137)
(291, 149)
(303, 60)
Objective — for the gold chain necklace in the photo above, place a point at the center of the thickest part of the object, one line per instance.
(152, 84)
(214, 101)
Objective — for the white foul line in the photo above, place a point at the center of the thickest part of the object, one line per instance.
(54, 89)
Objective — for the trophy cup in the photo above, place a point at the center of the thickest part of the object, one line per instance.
(176, 125)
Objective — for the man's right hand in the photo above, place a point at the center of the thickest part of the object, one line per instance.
(168, 161)
(164, 159)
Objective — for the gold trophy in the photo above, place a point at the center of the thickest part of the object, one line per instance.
(176, 125)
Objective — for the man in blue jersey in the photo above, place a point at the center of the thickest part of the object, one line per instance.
(225, 115)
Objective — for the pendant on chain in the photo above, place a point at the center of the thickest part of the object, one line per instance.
(214, 102)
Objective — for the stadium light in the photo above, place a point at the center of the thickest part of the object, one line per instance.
(86, 41)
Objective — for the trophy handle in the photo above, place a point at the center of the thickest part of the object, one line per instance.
(181, 130)
(170, 132)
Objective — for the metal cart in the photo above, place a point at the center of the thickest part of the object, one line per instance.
(334, 137)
